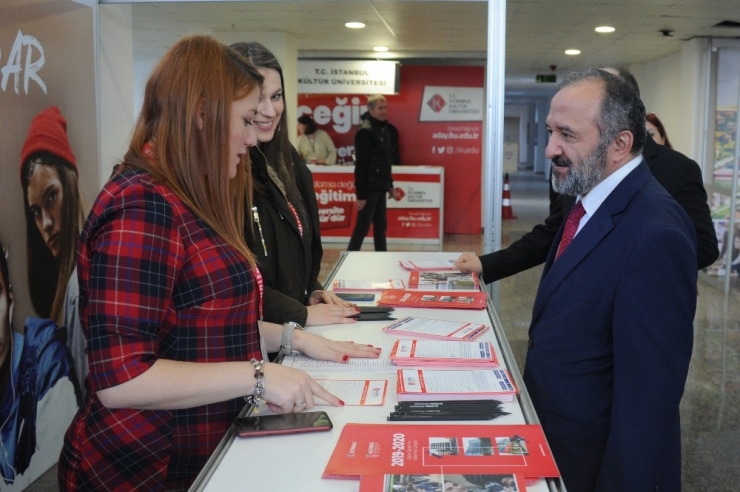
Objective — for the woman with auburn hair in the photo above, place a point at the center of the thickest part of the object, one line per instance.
(656, 130)
(170, 294)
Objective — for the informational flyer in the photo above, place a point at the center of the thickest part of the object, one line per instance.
(433, 299)
(355, 392)
(436, 328)
(508, 482)
(380, 449)
(443, 353)
(441, 384)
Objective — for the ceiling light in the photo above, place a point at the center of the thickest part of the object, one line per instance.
(380, 48)
(572, 52)
(605, 29)
(355, 25)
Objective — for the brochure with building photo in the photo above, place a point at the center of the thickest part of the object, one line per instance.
(433, 299)
(444, 280)
(380, 449)
(442, 482)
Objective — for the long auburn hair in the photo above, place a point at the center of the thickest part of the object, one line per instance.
(48, 276)
(279, 150)
(197, 78)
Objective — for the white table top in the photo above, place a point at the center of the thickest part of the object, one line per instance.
(296, 462)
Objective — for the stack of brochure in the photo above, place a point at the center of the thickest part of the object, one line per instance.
(434, 453)
(443, 353)
(442, 385)
(443, 280)
(436, 328)
(422, 265)
(433, 299)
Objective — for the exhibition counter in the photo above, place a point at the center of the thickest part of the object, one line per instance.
(296, 462)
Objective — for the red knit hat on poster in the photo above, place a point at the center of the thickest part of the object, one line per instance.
(48, 133)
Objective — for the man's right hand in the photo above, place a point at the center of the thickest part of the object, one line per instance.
(469, 262)
(360, 204)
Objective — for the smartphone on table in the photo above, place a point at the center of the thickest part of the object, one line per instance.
(290, 423)
(355, 296)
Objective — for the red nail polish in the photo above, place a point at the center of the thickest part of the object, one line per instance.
(341, 403)
(345, 358)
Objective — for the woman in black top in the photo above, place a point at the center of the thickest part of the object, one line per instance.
(283, 226)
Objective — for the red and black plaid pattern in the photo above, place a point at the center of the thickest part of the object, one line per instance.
(155, 282)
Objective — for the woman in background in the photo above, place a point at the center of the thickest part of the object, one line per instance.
(656, 130)
(283, 226)
(314, 144)
(55, 213)
(170, 293)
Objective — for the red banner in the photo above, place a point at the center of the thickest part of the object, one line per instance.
(415, 216)
(454, 145)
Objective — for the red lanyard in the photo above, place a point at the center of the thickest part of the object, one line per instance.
(298, 221)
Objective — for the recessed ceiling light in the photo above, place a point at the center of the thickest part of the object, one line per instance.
(605, 29)
(572, 52)
(380, 48)
(355, 25)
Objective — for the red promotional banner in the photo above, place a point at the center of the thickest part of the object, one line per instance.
(438, 117)
(413, 218)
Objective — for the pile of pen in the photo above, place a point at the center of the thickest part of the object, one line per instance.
(447, 410)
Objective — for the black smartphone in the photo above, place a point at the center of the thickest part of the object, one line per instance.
(291, 423)
(355, 296)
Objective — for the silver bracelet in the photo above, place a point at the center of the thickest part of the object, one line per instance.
(259, 387)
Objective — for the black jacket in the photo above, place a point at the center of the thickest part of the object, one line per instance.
(678, 174)
(376, 150)
(289, 263)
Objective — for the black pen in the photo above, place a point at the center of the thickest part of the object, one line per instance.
(445, 412)
(440, 406)
(395, 418)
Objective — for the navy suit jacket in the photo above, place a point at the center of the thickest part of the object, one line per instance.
(611, 339)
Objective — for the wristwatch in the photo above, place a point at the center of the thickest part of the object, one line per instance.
(286, 344)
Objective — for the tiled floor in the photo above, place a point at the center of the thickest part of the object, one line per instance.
(710, 410)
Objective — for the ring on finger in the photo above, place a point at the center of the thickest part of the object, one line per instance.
(299, 404)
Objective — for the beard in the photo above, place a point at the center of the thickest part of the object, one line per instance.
(583, 177)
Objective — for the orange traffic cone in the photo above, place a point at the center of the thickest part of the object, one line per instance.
(506, 210)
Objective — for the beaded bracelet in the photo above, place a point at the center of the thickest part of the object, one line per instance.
(259, 387)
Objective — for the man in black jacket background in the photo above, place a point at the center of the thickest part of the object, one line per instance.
(376, 150)
(678, 174)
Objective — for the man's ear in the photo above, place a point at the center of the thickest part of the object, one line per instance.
(623, 144)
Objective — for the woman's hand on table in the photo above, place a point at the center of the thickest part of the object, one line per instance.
(289, 390)
(320, 348)
(330, 314)
(327, 297)
(469, 262)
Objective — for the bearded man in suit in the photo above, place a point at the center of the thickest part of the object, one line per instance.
(612, 323)
(679, 175)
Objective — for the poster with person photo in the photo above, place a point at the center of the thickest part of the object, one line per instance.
(48, 163)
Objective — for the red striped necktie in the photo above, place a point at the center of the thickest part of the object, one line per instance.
(571, 226)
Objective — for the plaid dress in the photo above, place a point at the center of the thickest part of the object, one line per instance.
(155, 282)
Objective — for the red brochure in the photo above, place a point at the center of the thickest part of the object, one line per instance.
(433, 299)
(380, 449)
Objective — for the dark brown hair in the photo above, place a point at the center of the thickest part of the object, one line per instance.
(653, 118)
